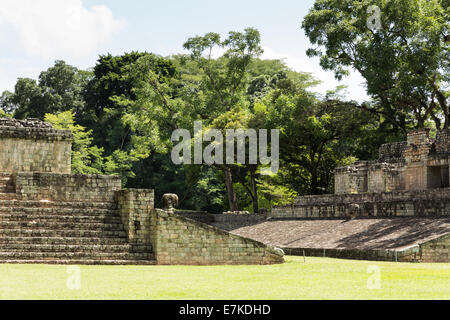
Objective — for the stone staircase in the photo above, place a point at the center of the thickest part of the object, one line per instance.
(64, 232)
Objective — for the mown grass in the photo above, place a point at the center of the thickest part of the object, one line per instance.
(318, 278)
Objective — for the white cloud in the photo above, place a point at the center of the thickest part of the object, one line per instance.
(354, 81)
(51, 28)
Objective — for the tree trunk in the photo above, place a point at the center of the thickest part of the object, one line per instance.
(230, 190)
(254, 191)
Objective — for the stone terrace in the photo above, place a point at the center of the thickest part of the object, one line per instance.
(352, 238)
(48, 215)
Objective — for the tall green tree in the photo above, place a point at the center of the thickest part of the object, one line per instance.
(225, 81)
(315, 136)
(401, 48)
(86, 157)
(59, 88)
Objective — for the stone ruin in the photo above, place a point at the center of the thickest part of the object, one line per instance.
(48, 215)
(398, 207)
(413, 165)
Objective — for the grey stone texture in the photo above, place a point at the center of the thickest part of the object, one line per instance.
(410, 179)
(179, 240)
(48, 215)
(391, 239)
(33, 146)
(135, 206)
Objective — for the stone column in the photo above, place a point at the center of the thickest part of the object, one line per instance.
(135, 206)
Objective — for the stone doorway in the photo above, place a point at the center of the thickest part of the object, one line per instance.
(438, 177)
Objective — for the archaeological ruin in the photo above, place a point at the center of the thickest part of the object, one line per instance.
(396, 208)
(50, 216)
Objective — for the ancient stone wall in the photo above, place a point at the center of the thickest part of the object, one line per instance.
(179, 240)
(385, 177)
(65, 187)
(437, 250)
(135, 206)
(442, 143)
(231, 222)
(351, 179)
(432, 203)
(226, 222)
(407, 255)
(33, 146)
(392, 152)
(200, 216)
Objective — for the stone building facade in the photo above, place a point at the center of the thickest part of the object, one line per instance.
(419, 163)
(409, 180)
(48, 215)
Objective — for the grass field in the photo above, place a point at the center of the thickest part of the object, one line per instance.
(318, 278)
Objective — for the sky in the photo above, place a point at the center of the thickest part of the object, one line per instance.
(36, 33)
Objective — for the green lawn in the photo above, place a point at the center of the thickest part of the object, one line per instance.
(318, 278)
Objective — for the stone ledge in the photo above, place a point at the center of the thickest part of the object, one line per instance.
(35, 133)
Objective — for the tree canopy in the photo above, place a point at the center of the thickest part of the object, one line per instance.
(124, 110)
(404, 60)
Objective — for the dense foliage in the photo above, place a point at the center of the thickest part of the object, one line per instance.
(124, 110)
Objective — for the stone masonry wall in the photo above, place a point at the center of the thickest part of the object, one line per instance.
(135, 206)
(182, 241)
(437, 250)
(226, 222)
(392, 152)
(384, 177)
(399, 203)
(407, 255)
(443, 142)
(33, 146)
(66, 187)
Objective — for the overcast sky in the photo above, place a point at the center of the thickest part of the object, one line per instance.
(35, 33)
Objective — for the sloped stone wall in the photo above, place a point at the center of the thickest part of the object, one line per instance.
(407, 255)
(392, 152)
(437, 250)
(231, 222)
(135, 206)
(182, 241)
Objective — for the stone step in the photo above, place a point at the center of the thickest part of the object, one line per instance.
(23, 217)
(6, 178)
(8, 196)
(82, 262)
(60, 233)
(51, 225)
(112, 248)
(13, 255)
(36, 211)
(5, 174)
(63, 241)
(56, 204)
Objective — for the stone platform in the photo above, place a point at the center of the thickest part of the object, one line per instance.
(401, 239)
(48, 215)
